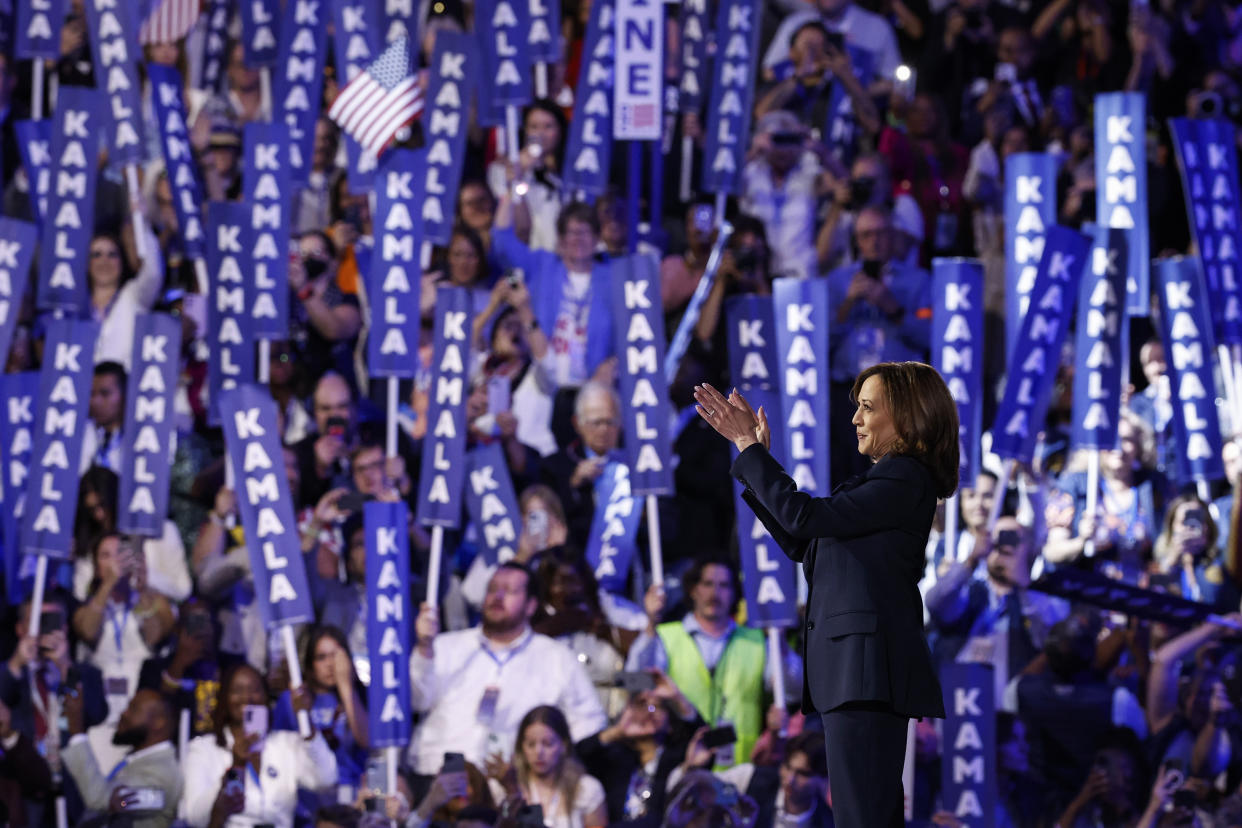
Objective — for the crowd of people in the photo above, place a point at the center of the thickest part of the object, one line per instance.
(155, 694)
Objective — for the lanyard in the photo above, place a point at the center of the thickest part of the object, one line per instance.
(119, 622)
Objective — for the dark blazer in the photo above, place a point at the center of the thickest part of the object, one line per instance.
(765, 782)
(863, 552)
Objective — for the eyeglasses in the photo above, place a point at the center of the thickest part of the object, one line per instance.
(602, 422)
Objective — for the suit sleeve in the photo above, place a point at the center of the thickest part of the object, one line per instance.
(793, 548)
(874, 506)
(80, 761)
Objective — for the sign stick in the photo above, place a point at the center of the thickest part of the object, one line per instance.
(295, 675)
(1227, 376)
(200, 275)
(135, 206)
(183, 733)
(687, 167)
(390, 424)
(1002, 484)
(36, 596)
(634, 188)
(722, 199)
(36, 90)
(950, 527)
(265, 92)
(265, 361)
(433, 566)
(1093, 495)
(653, 540)
(907, 772)
(541, 79)
(511, 133)
(777, 663)
(657, 189)
(1236, 414)
(1205, 491)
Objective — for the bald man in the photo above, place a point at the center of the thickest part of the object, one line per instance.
(148, 772)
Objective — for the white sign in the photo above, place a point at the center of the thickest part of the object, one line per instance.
(638, 88)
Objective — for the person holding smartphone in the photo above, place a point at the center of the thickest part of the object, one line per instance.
(245, 774)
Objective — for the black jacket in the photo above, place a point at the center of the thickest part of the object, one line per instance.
(863, 552)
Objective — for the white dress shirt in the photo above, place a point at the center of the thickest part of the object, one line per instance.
(138, 295)
(287, 762)
(465, 670)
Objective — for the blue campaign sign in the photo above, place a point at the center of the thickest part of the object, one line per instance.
(70, 221)
(1030, 209)
(456, 62)
(64, 392)
(613, 540)
(18, 240)
(1209, 166)
(388, 622)
(589, 150)
(355, 48)
(1186, 329)
(34, 142)
(187, 193)
(957, 348)
(492, 502)
(694, 24)
(503, 27)
(544, 40)
(392, 343)
(230, 342)
(768, 577)
(299, 80)
(399, 19)
(444, 448)
(38, 24)
(733, 93)
(1037, 353)
(18, 392)
(146, 461)
(114, 44)
(260, 26)
(248, 415)
(214, 42)
(801, 313)
(969, 768)
(268, 187)
(646, 415)
(1121, 184)
(1100, 343)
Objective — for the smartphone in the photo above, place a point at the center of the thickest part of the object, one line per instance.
(352, 501)
(254, 720)
(233, 784)
(454, 763)
(1006, 72)
(905, 80)
(530, 816)
(51, 621)
(1183, 798)
(499, 395)
(516, 277)
(635, 682)
(872, 268)
(836, 40)
(718, 737)
(377, 774)
(145, 799)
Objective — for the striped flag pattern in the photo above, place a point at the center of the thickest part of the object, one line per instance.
(168, 21)
(381, 100)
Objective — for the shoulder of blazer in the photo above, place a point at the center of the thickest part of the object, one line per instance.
(901, 467)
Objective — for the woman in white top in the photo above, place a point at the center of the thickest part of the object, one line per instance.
(239, 778)
(545, 773)
(124, 620)
(538, 203)
(166, 567)
(117, 298)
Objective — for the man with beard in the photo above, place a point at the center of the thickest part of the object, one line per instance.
(472, 687)
(994, 619)
(146, 785)
(718, 665)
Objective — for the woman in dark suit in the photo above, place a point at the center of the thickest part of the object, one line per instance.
(868, 668)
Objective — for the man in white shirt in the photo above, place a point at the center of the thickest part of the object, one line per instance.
(474, 686)
(146, 785)
(862, 29)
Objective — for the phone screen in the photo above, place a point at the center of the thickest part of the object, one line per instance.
(254, 720)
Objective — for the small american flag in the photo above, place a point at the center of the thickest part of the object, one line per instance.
(168, 21)
(379, 102)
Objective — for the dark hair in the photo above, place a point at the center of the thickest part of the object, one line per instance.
(562, 125)
(518, 567)
(105, 485)
(577, 211)
(924, 416)
(810, 24)
(695, 574)
(1070, 647)
(326, 238)
(220, 716)
(810, 743)
(552, 559)
(316, 635)
(476, 243)
(127, 272)
(108, 368)
(341, 815)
